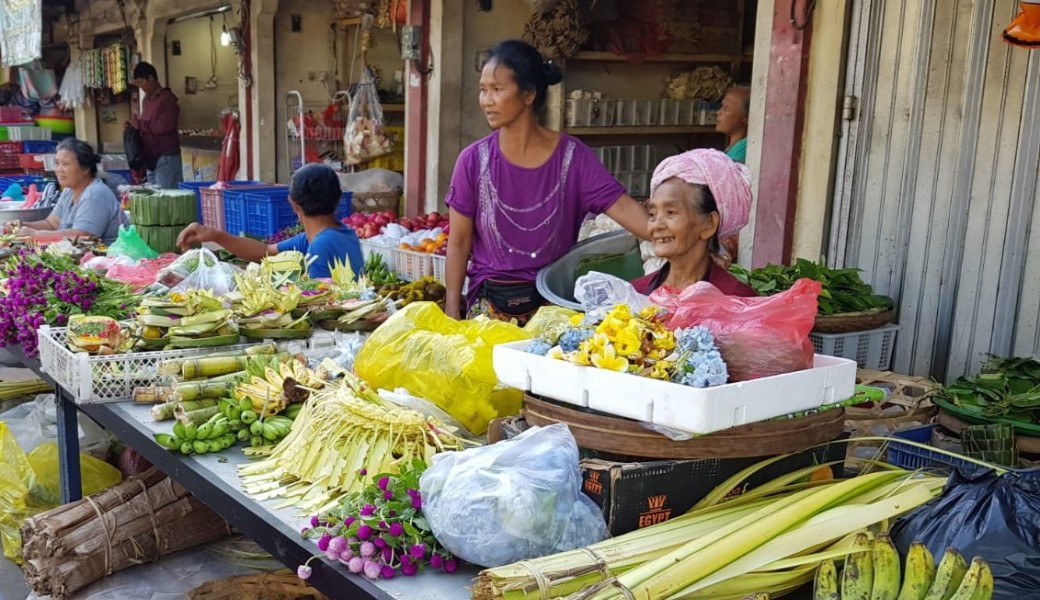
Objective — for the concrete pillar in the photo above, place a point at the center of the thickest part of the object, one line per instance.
(261, 94)
(444, 132)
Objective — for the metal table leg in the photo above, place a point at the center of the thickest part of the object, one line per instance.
(68, 446)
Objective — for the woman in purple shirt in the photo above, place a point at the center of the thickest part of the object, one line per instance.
(518, 196)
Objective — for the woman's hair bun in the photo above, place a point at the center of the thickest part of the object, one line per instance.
(553, 73)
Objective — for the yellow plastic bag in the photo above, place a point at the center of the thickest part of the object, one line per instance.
(445, 361)
(549, 317)
(29, 484)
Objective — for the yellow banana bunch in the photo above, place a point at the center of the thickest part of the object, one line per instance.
(874, 574)
(267, 398)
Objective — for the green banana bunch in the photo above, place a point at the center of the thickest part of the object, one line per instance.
(234, 421)
(874, 574)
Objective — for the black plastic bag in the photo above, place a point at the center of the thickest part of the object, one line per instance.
(983, 514)
(133, 148)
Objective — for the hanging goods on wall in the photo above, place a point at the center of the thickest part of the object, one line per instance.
(365, 137)
(106, 67)
(1024, 31)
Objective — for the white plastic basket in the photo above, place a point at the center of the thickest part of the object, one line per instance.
(871, 349)
(413, 265)
(29, 133)
(389, 254)
(94, 379)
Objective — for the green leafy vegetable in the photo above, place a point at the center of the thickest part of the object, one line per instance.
(843, 289)
(1006, 388)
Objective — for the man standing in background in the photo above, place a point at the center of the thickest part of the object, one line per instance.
(732, 120)
(157, 124)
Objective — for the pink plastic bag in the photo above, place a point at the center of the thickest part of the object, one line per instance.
(758, 337)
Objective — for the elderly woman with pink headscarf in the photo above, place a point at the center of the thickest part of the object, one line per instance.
(696, 198)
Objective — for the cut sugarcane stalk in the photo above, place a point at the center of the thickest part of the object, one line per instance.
(209, 366)
(167, 410)
(198, 416)
(182, 391)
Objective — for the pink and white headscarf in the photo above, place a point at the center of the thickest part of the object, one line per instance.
(728, 180)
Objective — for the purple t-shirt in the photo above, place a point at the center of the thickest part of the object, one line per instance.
(524, 219)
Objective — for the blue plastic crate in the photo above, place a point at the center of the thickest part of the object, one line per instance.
(914, 458)
(195, 186)
(39, 146)
(265, 212)
(257, 212)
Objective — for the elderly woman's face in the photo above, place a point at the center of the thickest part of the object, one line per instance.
(68, 170)
(676, 227)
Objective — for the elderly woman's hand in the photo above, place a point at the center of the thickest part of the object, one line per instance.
(25, 232)
(194, 235)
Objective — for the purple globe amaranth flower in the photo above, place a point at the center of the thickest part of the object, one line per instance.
(337, 544)
(368, 510)
(362, 472)
(418, 551)
(332, 556)
(304, 572)
(396, 529)
(314, 521)
(349, 521)
(388, 495)
(388, 555)
(416, 502)
(379, 542)
(450, 565)
(372, 569)
(346, 554)
(436, 561)
(383, 525)
(367, 549)
(364, 532)
(323, 542)
(356, 564)
(409, 570)
(387, 572)
(383, 483)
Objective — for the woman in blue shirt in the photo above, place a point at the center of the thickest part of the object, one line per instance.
(314, 195)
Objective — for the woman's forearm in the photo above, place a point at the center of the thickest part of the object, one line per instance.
(43, 225)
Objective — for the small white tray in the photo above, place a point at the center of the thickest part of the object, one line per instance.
(696, 410)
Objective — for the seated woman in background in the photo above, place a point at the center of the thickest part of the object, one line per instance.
(314, 195)
(86, 207)
(696, 198)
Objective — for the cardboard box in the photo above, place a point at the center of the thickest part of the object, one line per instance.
(634, 495)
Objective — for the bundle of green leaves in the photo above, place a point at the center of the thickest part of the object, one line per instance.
(844, 291)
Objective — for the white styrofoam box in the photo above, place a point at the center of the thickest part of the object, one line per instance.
(672, 405)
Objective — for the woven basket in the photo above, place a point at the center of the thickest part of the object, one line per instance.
(848, 322)
(368, 202)
(281, 585)
(905, 391)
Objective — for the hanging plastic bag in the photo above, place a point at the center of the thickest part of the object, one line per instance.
(364, 138)
(514, 500)
(984, 514)
(445, 361)
(600, 292)
(758, 337)
(29, 485)
(131, 245)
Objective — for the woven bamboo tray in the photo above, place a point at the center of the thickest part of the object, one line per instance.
(872, 419)
(848, 322)
(281, 585)
(624, 437)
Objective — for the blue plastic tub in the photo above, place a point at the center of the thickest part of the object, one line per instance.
(913, 458)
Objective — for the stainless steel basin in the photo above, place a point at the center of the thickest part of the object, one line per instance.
(25, 215)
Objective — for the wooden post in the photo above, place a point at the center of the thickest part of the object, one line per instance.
(781, 134)
(416, 91)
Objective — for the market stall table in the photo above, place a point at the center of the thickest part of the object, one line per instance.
(213, 478)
